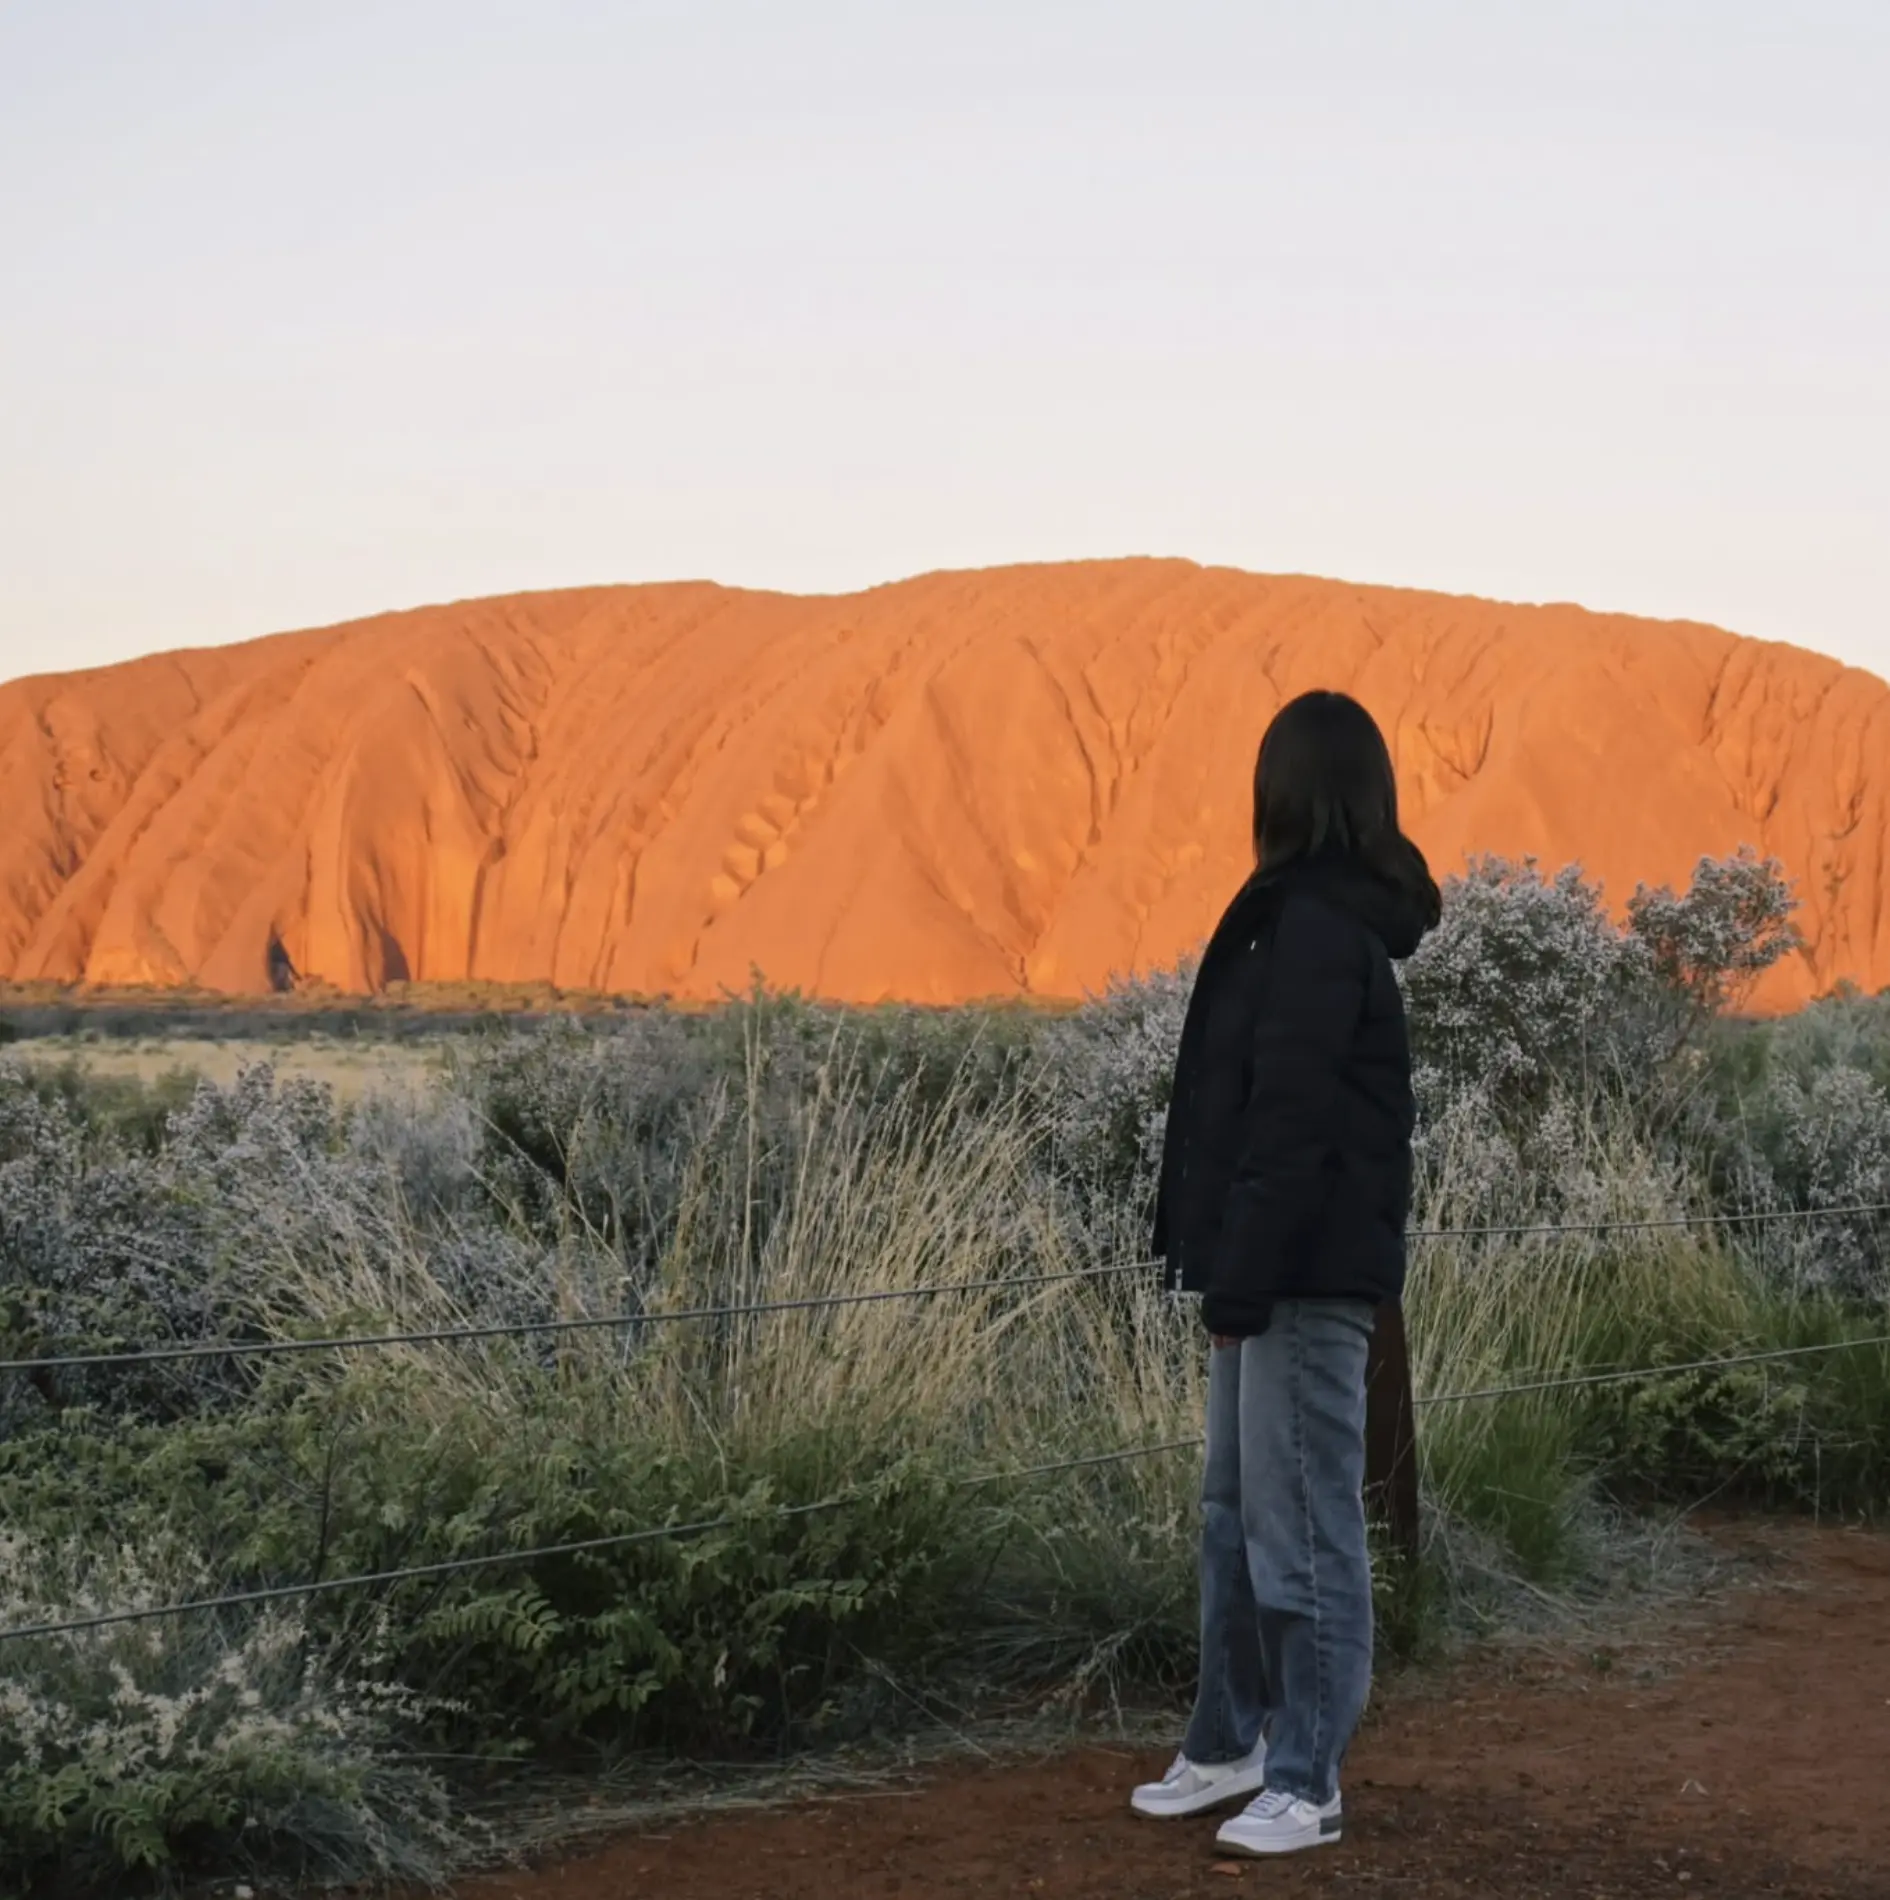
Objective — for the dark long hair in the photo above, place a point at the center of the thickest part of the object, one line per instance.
(1324, 783)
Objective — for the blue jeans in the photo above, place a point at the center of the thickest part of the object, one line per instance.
(1286, 1580)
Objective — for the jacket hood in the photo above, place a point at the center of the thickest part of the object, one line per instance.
(1389, 912)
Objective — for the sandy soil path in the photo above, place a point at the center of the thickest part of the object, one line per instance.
(1756, 1761)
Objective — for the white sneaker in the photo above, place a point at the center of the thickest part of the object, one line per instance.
(1192, 1787)
(1280, 1823)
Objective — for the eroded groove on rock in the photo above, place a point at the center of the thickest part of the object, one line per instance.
(957, 786)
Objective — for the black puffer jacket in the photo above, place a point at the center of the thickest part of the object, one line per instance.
(1286, 1171)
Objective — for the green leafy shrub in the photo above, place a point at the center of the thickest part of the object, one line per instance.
(197, 1741)
(1747, 1430)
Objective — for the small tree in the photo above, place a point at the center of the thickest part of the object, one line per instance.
(1709, 947)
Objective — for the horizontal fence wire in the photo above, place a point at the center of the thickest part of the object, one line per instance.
(1750, 1217)
(452, 1566)
(1570, 1381)
(130, 1357)
(539, 1328)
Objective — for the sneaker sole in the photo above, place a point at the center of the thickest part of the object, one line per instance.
(1241, 1788)
(1254, 1851)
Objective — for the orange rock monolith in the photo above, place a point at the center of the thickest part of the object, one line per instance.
(966, 785)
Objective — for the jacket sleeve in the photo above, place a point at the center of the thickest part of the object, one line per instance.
(1312, 999)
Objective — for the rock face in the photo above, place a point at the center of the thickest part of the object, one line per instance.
(997, 783)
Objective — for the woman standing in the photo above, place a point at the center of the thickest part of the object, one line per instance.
(1286, 1184)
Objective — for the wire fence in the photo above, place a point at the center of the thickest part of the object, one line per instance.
(539, 1328)
(128, 1358)
(452, 1566)
(141, 1356)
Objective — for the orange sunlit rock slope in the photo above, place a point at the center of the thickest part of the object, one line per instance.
(964, 785)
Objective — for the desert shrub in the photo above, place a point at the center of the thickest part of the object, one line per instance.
(125, 1109)
(600, 1128)
(1703, 1433)
(1106, 1074)
(606, 1173)
(1524, 985)
(98, 1251)
(1811, 1430)
(1528, 988)
(1829, 1146)
(742, 1635)
(108, 1247)
(1795, 1115)
(1538, 1025)
(201, 1741)
(588, 1125)
(727, 1635)
(1708, 947)
(425, 1147)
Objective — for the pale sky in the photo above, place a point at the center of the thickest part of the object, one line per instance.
(312, 310)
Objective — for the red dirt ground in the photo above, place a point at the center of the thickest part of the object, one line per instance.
(1752, 1758)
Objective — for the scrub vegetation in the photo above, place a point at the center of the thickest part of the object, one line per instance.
(870, 1527)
